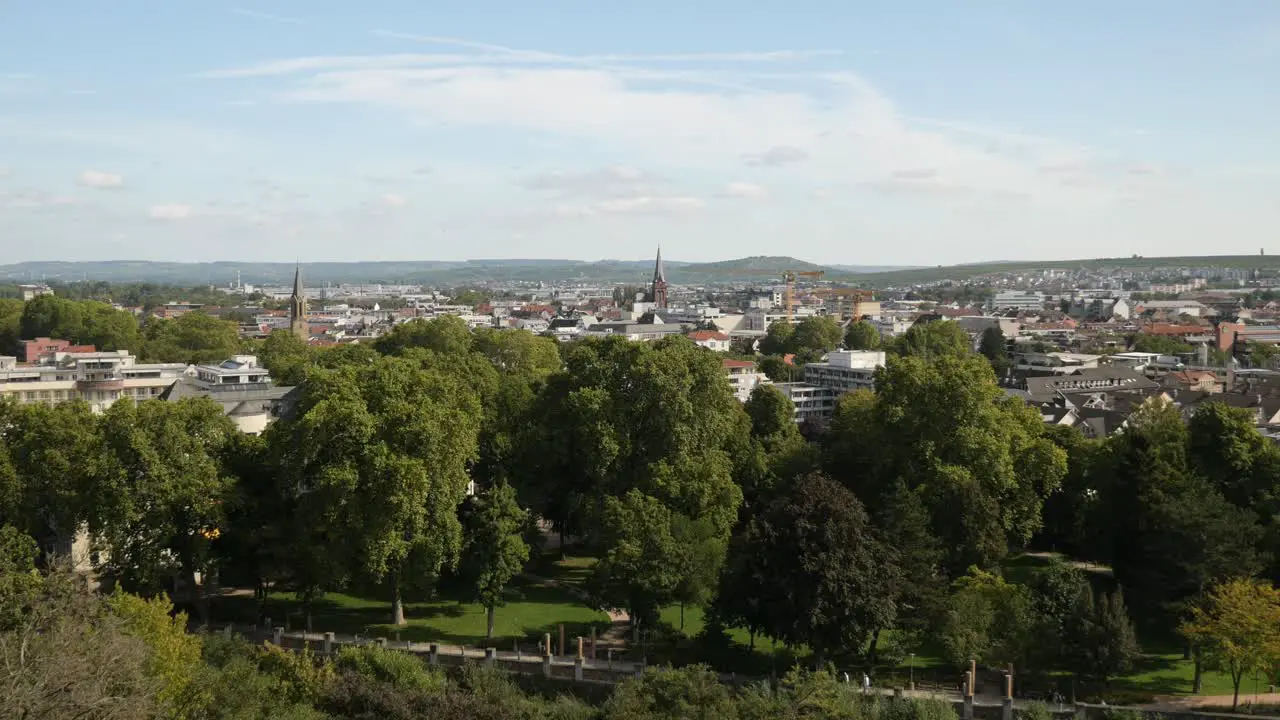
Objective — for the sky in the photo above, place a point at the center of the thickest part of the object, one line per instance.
(903, 132)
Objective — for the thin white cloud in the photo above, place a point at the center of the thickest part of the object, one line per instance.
(283, 19)
(638, 205)
(170, 211)
(744, 191)
(393, 200)
(101, 180)
(777, 156)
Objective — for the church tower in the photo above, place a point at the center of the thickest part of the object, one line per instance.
(298, 308)
(659, 290)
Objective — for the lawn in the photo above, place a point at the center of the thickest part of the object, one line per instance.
(531, 611)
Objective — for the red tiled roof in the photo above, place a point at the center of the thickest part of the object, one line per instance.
(703, 335)
(737, 363)
(1193, 376)
(1175, 330)
(789, 358)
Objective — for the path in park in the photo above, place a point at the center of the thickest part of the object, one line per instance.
(1173, 703)
(619, 621)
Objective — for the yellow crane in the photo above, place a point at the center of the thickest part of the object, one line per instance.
(789, 278)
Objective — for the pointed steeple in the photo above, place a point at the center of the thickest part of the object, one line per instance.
(658, 273)
(298, 308)
(658, 293)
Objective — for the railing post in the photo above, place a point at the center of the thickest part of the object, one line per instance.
(433, 654)
(490, 656)
(277, 635)
(226, 631)
(328, 643)
(577, 668)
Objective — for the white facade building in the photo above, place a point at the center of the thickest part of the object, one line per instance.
(845, 370)
(98, 378)
(813, 404)
(1017, 300)
(743, 378)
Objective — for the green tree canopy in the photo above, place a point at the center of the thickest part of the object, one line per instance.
(194, 337)
(378, 457)
(811, 570)
(862, 335)
(980, 460)
(494, 550)
(816, 334)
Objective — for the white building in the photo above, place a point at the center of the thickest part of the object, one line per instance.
(845, 370)
(243, 389)
(743, 377)
(1017, 300)
(759, 319)
(710, 339)
(98, 378)
(814, 404)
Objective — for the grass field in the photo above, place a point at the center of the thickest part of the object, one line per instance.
(535, 608)
(531, 610)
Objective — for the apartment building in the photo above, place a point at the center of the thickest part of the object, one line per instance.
(814, 405)
(845, 370)
(743, 377)
(98, 378)
(1017, 300)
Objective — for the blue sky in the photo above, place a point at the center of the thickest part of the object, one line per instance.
(906, 132)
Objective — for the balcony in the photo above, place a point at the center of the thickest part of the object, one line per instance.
(100, 382)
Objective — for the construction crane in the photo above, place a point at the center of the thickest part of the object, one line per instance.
(857, 295)
(789, 278)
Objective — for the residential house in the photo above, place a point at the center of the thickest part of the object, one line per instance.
(710, 339)
(744, 377)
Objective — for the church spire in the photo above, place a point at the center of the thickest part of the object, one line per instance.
(298, 307)
(659, 290)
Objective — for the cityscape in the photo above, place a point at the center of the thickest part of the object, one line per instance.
(639, 362)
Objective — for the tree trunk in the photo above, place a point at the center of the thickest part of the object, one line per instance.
(397, 603)
(681, 616)
(1235, 691)
(196, 592)
(1195, 683)
(488, 632)
(871, 651)
(752, 645)
(563, 554)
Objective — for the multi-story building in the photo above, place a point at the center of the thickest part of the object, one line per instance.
(98, 378)
(1017, 300)
(243, 389)
(814, 405)
(845, 370)
(743, 377)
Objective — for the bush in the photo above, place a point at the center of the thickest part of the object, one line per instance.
(400, 670)
(1034, 711)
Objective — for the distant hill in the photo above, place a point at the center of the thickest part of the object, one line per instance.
(761, 269)
(433, 273)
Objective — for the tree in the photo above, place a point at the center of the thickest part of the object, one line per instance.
(377, 456)
(1161, 344)
(818, 573)
(286, 356)
(988, 620)
(1166, 531)
(10, 326)
(167, 492)
(53, 317)
(816, 334)
(194, 337)
(992, 347)
(1237, 629)
(862, 335)
(640, 569)
(55, 470)
(777, 369)
(1113, 644)
(1261, 355)
(933, 339)
(978, 459)
(657, 418)
(778, 338)
(448, 334)
(494, 549)
(701, 560)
